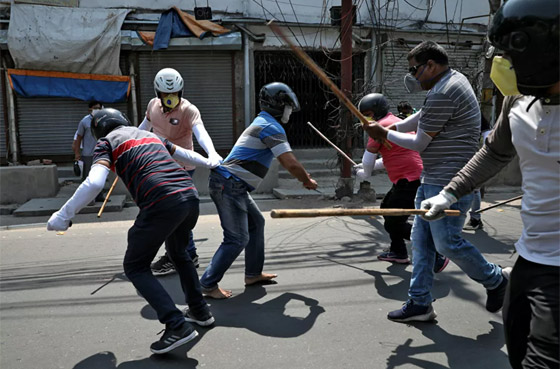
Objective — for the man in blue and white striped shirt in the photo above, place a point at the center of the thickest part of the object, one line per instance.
(447, 132)
(240, 173)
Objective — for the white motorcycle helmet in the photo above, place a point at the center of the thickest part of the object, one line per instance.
(168, 81)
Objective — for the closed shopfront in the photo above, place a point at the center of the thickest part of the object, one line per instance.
(3, 126)
(208, 78)
(47, 125)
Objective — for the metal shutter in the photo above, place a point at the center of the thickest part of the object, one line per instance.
(47, 125)
(208, 85)
(3, 148)
(395, 66)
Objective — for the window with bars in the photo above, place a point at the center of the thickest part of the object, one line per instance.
(318, 104)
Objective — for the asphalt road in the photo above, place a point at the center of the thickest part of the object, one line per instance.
(328, 309)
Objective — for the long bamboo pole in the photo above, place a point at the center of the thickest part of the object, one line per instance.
(310, 213)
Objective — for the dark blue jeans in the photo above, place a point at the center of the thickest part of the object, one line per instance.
(167, 220)
(444, 236)
(243, 226)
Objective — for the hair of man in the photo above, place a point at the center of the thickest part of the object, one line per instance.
(428, 50)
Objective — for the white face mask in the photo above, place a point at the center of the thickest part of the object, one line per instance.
(287, 112)
(411, 84)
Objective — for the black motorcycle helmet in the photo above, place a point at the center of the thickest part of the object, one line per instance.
(375, 105)
(529, 34)
(274, 96)
(106, 120)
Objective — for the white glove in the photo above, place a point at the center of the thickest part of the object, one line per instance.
(57, 222)
(437, 204)
(215, 159)
(362, 175)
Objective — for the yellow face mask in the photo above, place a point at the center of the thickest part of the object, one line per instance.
(503, 76)
(170, 100)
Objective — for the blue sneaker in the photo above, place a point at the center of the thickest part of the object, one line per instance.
(412, 313)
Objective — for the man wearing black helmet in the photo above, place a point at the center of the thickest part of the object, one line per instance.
(529, 75)
(240, 173)
(168, 204)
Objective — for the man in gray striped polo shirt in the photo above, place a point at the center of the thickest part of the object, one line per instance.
(447, 131)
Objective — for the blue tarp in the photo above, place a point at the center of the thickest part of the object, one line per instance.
(87, 87)
(170, 25)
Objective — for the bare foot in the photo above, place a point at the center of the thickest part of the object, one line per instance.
(264, 278)
(218, 293)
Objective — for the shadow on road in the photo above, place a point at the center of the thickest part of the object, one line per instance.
(461, 352)
(176, 359)
(242, 311)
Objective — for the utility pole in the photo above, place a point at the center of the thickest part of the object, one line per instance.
(346, 183)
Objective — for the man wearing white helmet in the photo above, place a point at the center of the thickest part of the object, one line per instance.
(173, 117)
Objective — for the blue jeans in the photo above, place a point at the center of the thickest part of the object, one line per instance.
(191, 248)
(444, 236)
(167, 220)
(475, 204)
(243, 226)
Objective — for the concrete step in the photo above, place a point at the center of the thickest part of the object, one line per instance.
(66, 174)
(311, 164)
(292, 188)
(284, 174)
(65, 180)
(47, 206)
(327, 153)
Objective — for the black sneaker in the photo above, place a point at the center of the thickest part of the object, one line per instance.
(440, 263)
(194, 259)
(173, 338)
(163, 266)
(412, 313)
(495, 297)
(100, 197)
(393, 258)
(473, 225)
(202, 319)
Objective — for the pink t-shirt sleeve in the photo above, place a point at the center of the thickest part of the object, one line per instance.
(192, 114)
(372, 144)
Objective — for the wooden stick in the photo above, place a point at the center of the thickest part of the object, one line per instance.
(107, 197)
(333, 145)
(499, 204)
(310, 213)
(306, 59)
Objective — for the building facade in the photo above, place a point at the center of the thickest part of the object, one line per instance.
(224, 74)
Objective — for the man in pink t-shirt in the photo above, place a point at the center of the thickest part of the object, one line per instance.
(404, 168)
(173, 117)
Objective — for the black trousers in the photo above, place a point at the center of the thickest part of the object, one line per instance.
(171, 220)
(531, 316)
(401, 195)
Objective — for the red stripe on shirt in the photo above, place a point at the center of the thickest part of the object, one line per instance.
(139, 156)
(166, 196)
(144, 166)
(154, 173)
(162, 183)
(129, 144)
